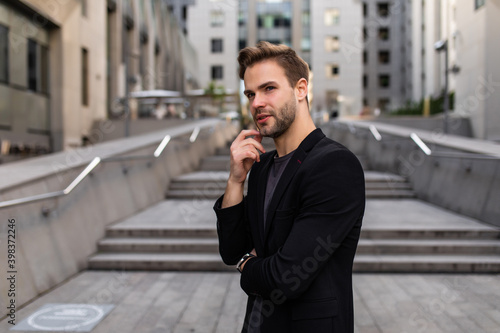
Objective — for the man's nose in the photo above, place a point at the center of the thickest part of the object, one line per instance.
(258, 101)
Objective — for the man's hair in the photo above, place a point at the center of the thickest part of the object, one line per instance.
(295, 68)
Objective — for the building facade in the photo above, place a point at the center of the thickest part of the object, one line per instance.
(67, 64)
(336, 59)
(472, 29)
(213, 31)
(323, 34)
(387, 54)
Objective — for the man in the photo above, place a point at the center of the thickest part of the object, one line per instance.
(295, 233)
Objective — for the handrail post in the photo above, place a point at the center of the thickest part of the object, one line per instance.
(162, 146)
(420, 144)
(375, 133)
(194, 135)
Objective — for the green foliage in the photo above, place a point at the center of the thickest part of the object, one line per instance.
(417, 108)
(216, 92)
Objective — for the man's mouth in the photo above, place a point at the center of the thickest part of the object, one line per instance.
(262, 118)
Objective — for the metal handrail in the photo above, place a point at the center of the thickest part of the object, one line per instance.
(421, 144)
(66, 191)
(38, 197)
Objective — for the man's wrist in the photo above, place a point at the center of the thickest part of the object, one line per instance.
(243, 261)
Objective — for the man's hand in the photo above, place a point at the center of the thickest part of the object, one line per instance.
(245, 151)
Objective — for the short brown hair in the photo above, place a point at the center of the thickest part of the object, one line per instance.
(295, 68)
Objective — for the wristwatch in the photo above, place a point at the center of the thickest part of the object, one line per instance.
(242, 260)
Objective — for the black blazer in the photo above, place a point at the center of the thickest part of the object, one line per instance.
(301, 280)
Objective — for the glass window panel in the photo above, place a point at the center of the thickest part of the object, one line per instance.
(332, 16)
(32, 65)
(216, 18)
(4, 54)
(217, 72)
(332, 44)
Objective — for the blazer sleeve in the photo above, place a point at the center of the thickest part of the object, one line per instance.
(233, 232)
(332, 201)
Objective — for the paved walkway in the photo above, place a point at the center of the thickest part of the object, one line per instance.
(213, 302)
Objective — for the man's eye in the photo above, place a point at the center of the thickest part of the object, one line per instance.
(270, 88)
(250, 96)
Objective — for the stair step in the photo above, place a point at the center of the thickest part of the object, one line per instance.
(162, 245)
(213, 193)
(427, 263)
(172, 231)
(389, 194)
(159, 261)
(362, 262)
(479, 233)
(428, 246)
(210, 184)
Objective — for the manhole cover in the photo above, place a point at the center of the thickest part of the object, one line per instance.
(65, 317)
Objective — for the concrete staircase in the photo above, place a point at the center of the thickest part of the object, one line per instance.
(400, 233)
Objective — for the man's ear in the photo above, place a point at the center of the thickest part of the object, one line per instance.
(301, 89)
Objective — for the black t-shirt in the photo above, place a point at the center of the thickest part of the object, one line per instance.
(275, 172)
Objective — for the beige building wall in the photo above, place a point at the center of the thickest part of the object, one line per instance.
(57, 116)
(64, 29)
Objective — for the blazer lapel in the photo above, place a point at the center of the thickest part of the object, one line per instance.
(293, 165)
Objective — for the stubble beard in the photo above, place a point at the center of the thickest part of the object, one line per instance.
(283, 119)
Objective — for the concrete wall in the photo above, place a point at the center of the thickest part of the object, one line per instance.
(456, 125)
(464, 185)
(52, 247)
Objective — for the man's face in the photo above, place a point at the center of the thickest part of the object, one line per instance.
(272, 99)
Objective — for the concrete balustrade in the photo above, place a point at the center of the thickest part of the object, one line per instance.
(467, 185)
(55, 237)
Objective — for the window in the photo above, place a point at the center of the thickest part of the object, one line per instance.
(332, 71)
(4, 54)
(306, 19)
(383, 9)
(44, 69)
(305, 44)
(242, 20)
(184, 13)
(384, 57)
(384, 81)
(383, 33)
(216, 18)
(242, 43)
(32, 65)
(217, 45)
(38, 67)
(332, 17)
(85, 77)
(217, 72)
(365, 81)
(365, 9)
(332, 100)
(332, 44)
(479, 3)
(383, 104)
(84, 8)
(365, 57)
